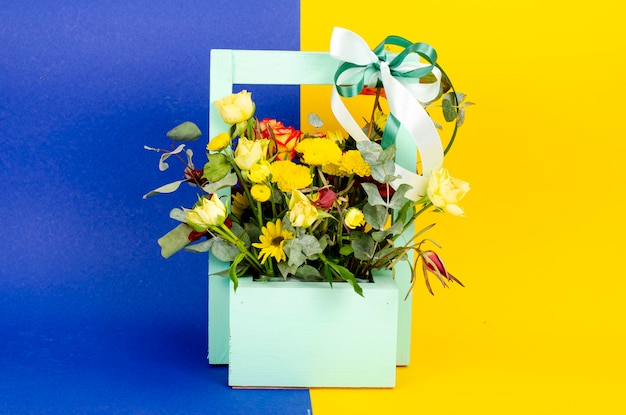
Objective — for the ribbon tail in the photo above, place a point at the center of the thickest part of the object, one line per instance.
(414, 118)
(345, 118)
(417, 182)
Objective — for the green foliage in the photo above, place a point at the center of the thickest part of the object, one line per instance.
(217, 167)
(186, 131)
(345, 226)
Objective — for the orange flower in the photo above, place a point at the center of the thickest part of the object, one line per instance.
(372, 91)
(285, 138)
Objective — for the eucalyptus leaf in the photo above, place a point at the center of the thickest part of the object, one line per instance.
(363, 246)
(310, 245)
(241, 269)
(373, 195)
(308, 273)
(240, 233)
(186, 131)
(370, 151)
(200, 247)
(227, 181)
(324, 241)
(448, 106)
(166, 188)
(315, 120)
(286, 269)
(460, 119)
(387, 154)
(217, 167)
(376, 216)
(293, 250)
(397, 200)
(460, 97)
(394, 229)
(224, 251)
(175, 240)
(383, 173)
(178, 214)
(449, 113)
(406, 211)
(162, 164)
(253, 232)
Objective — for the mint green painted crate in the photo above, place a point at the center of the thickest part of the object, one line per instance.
(306, 334)
(229, 67)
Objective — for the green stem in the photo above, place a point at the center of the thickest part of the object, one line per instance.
(259, 212)
(415, 215)
(231, 238)
(274, 215)
(246, 190)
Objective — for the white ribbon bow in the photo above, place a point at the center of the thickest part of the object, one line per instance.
(403, 95)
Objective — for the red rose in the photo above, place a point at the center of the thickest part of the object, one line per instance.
(285, 138)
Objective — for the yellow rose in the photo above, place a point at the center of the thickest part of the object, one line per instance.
(259, 172)
(445, 192)
(302, 213)
(261, 192)
(207, 213)
(354, 218)
(236, 108)
(249, 152)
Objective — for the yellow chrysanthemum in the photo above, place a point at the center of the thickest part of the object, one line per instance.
(218, 142)
(319, 151)
(259, 172)
(260, 192)
(351, 163)
(272, 241)
(354, 218)
(289, 176)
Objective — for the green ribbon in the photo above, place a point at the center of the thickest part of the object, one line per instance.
(366, 73)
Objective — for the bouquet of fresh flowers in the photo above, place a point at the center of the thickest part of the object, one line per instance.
(275, 202)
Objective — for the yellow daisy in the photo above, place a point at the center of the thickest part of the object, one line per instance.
(272, 241)
(239, 204)
(380, 120)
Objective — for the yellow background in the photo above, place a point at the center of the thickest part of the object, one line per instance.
(540, 326)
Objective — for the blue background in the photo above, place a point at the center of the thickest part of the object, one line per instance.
(92, 319)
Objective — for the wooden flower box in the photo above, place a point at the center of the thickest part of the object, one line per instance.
(233, 316)
(306, 334)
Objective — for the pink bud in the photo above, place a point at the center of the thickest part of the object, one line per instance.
(431, 262)
(325, 199)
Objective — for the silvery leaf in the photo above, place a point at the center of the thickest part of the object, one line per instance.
(162, 164)
(166, 188)
(186, 131)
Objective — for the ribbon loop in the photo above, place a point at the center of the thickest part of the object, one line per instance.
(399, 74)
